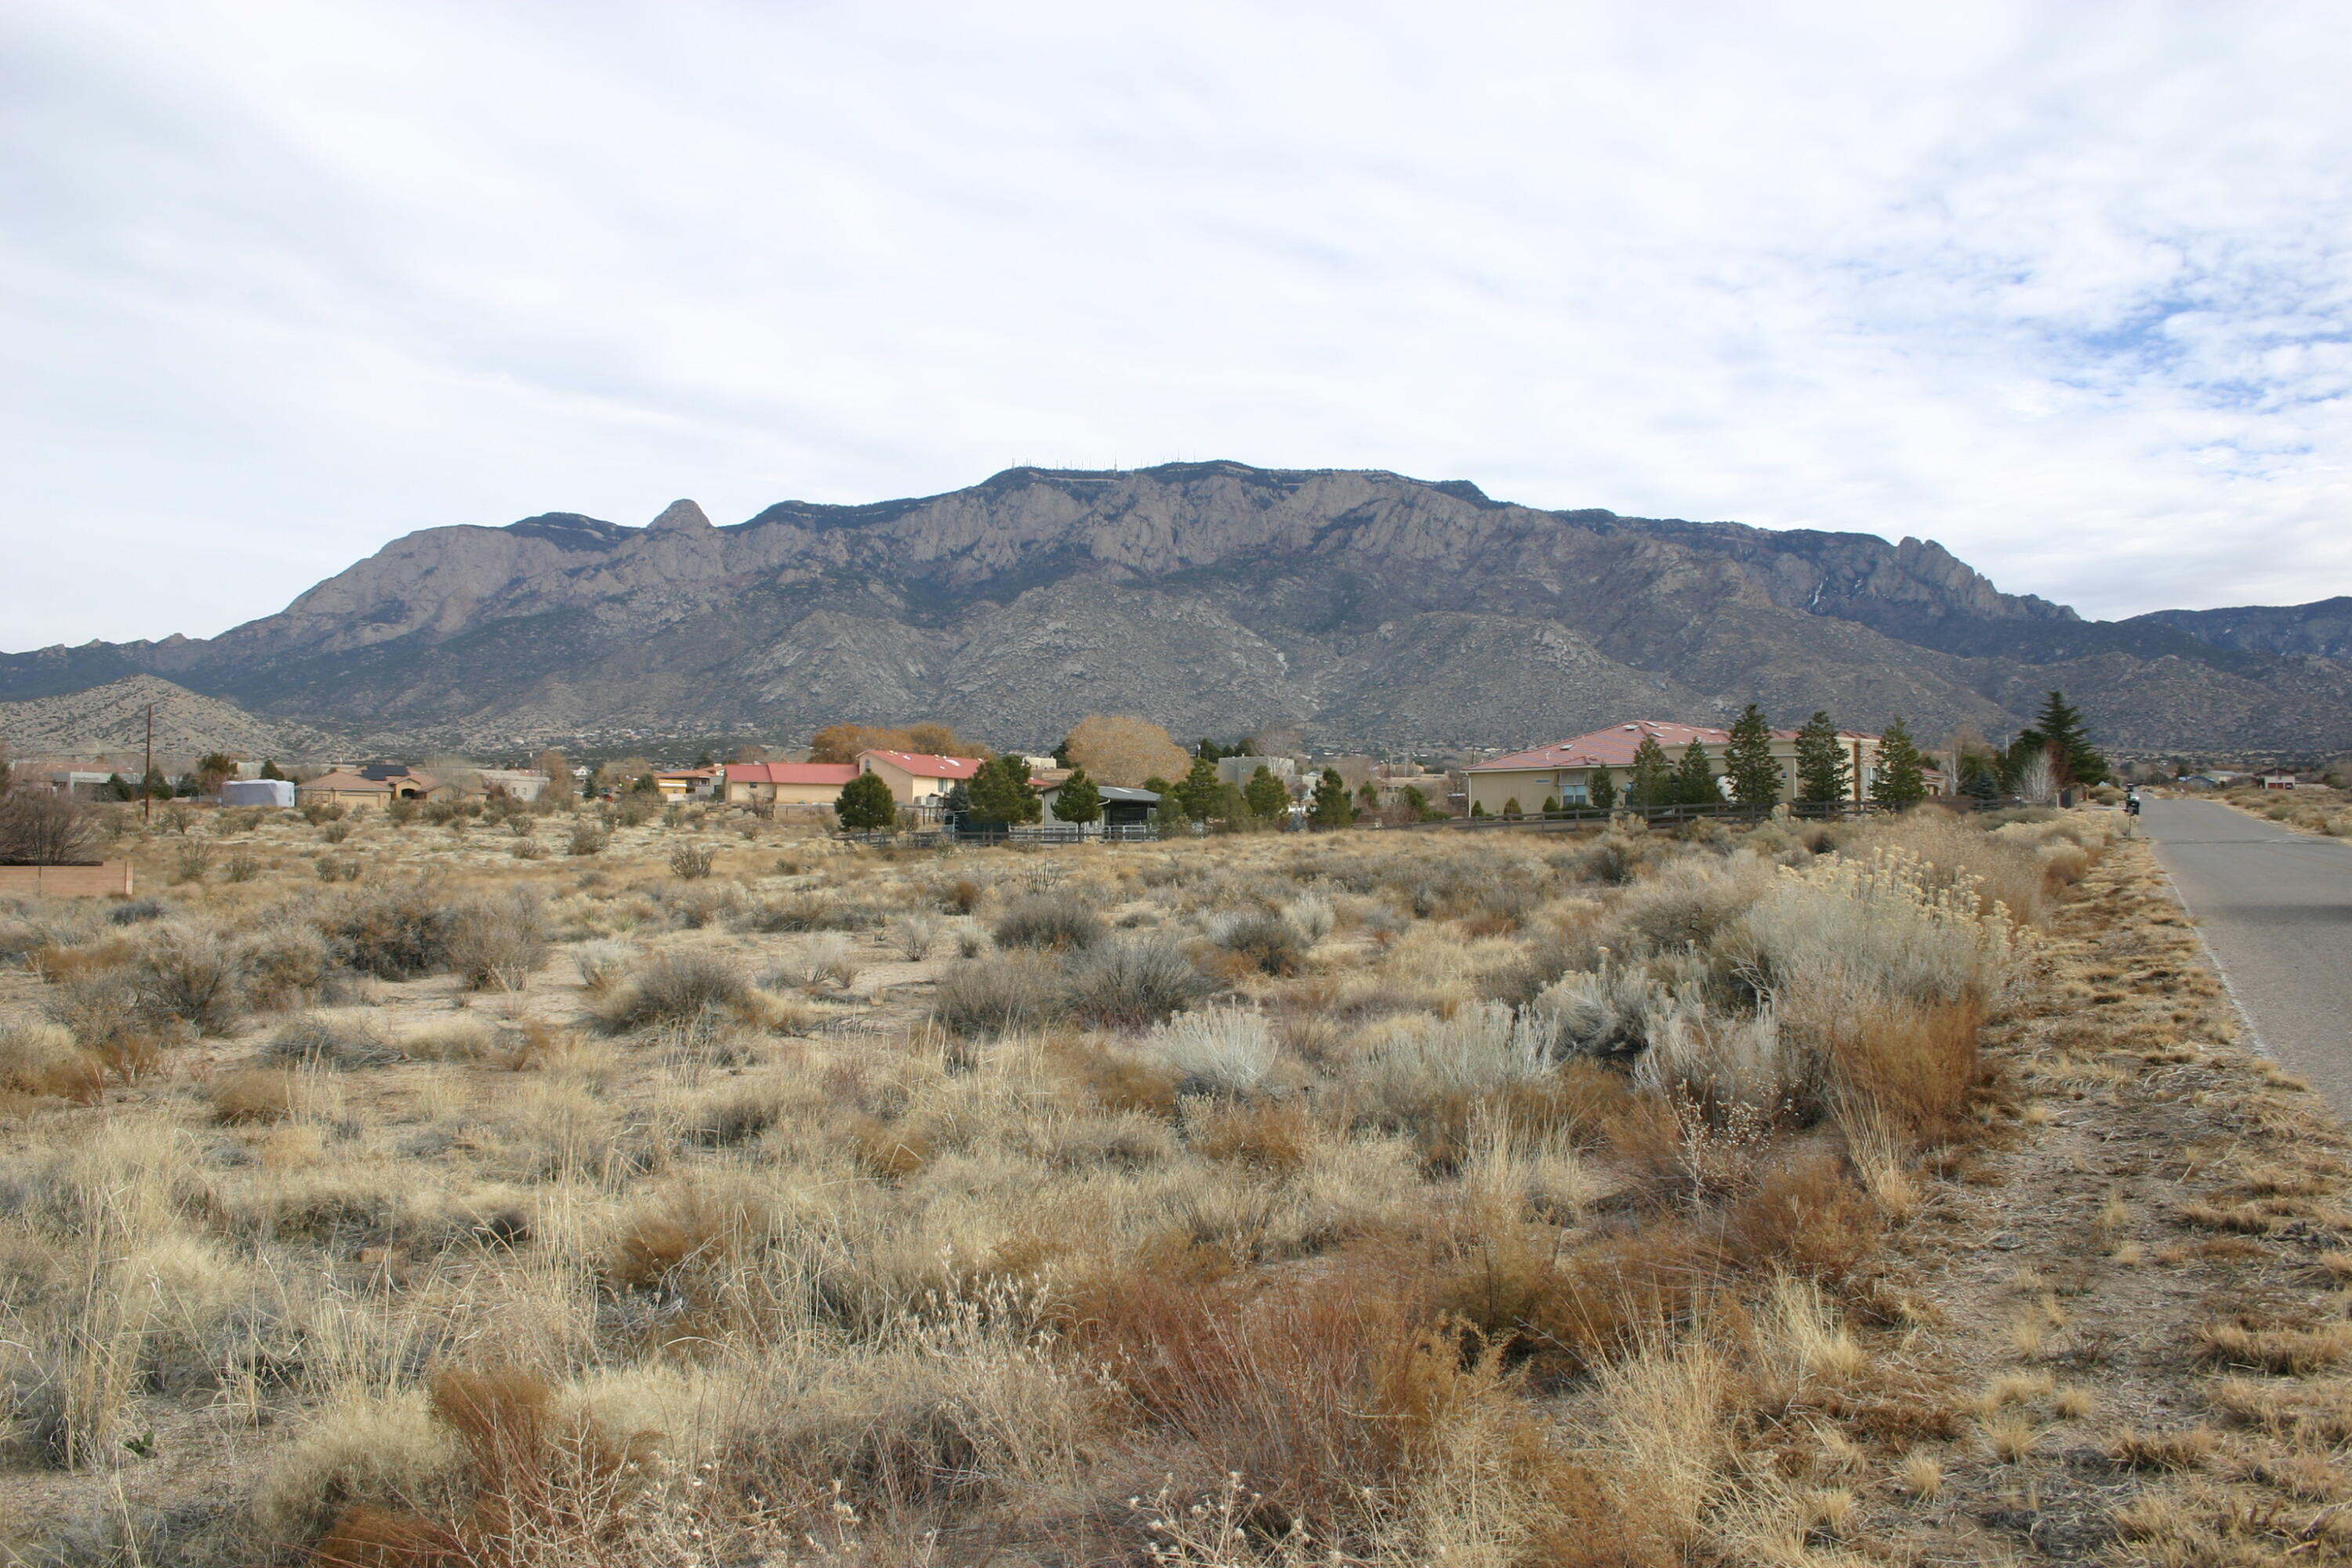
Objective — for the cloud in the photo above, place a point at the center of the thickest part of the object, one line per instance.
(2062, 288)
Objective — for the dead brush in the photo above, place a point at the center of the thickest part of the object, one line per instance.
(2190, 1448)
(2275, 1350)
(1266, 1134)
(544, 1485)
(254, 1096)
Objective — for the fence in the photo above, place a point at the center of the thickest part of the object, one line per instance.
(100, 881)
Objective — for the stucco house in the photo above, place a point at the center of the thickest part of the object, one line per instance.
(1122, 807)
(379, 783)
(915, 778)
(1564, 770)
(687, 784)
(786, 783)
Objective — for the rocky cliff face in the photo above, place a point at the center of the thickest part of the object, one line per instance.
(2324, 628)
(1369, 608)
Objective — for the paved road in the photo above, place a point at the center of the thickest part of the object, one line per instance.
(2276, 910)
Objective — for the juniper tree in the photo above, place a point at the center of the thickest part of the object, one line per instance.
(1693, 781)
(1652, 783)
(1332, 808)
(1902, 776)
(2058, 729)
(1077, 800)
(1823, 773)
(865, 805)
(1266, 795)
(1001, 792)
(1601, 791)
(1748, 762)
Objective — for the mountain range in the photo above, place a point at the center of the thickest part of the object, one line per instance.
(1364, 607)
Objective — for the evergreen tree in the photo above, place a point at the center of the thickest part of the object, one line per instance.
(2059, 727)
(1198, 794)
(269, 769)
(1823, 773)
(1603, 791)
(865, 805)
(1551, 808)
(1266, 795)
(955, 805)
(1694, 780)
(1652, 783)
(1511, 808)
(1979, 779)
(1077, 800)
(1477, 809)
(1368, 795)
(1902, 776)
(1418, 804)
(1331, 807)
(1001, 793)
(1754, 771)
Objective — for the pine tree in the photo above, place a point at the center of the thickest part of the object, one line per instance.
(1603, 791)
(2059, 727)
(1902, 776)
(955, 805)
(1754, 771)
(1694, 780)
(1823, 773)
(1551, 808)
(269, 769)
(865, 805)
(1077, 800)
(1652, 783)
(1266, 795)
(1198, 794)
(1001, 794)
(1332, 808)
(1979, 780)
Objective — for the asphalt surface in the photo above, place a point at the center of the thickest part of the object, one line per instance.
(2275, 908)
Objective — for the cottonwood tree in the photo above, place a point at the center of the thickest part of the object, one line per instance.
(1120, 749)
(1077, 800)
(1823, 773)
(1902, 776)
(557, 769)
(839, 743)
(1748, 762)
(38, 828)
(865, 805)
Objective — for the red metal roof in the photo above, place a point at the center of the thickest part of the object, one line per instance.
(833, 774)
(925, 766)
(1614, 747)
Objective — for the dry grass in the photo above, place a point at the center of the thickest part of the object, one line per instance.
(1515, 1200)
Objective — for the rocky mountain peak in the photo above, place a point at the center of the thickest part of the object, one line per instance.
(680, 515)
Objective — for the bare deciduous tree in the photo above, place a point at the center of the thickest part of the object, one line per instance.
(1120, 749)
(38, 828)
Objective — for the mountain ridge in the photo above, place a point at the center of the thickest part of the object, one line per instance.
(1365, 606)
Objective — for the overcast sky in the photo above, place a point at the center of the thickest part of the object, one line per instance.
(2067, 287)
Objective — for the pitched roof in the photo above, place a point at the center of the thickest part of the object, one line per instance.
(925, 766)
(1614, 747)
(348, 783)
(834, 774)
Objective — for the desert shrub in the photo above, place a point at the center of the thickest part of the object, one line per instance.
(1716, 1057)
(1691, 902)
(190, 861)
(340, 1044)
(913, 935)
(1059, 921)
(333, 868)
(42, 1058)
(1311, 917)
(1219, 1051)
(256, 1095)
(393, 933)
(1130, 983)
(809, 911)
(587, 839)
(286, 962)
(1417, 1064)
(960, 897)
(693, 862)
(496, 942)
(137, 912)
(673, 988)
(1615, 859)
(190, 973)
(1269, 942)
(982, 1000)
(527, 849)
(823, 957)
(602, 964)
(1882, 926)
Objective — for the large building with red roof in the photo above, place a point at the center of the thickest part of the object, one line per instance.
(1564, 770)
(915, 778)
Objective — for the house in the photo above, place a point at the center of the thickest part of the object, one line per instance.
(1238, 771)
(1564, 770)
(2278, 781)
(379, 783)
(785, 783)
(687, 784)
(915, 778)
(1122, 807)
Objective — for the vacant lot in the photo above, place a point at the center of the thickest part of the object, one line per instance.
(691, 1193)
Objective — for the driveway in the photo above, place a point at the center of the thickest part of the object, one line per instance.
(2275, 907)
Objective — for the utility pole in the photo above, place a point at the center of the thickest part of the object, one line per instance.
(147, 779)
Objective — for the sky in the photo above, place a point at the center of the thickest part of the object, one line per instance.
(2066, 287)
